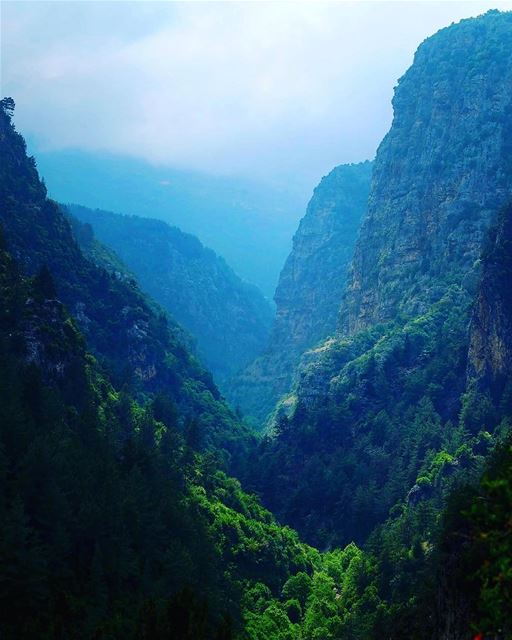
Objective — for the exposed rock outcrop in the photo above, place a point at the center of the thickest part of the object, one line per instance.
(439, 176)
(310, 286)
(490, 348)
(314, 276)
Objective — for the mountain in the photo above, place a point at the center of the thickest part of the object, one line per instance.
(246, 222)
(373, 406)
(394, 454)
(441, 174)
(113, 525)
(476, 580)
(229, 318)
(311, 284)
(133, 340)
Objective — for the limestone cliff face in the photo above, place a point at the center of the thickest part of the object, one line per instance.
(363, 399)
(489, 376)
(314, 276)
(310, 286)
(440, 174)
(490, 348)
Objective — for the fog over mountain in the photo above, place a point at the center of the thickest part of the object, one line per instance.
(280, 91)
(248, 222)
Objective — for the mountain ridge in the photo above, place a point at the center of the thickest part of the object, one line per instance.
(235, 217)
(229, 318)
(370, 403)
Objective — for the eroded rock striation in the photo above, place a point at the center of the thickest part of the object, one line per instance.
(490, 347)
(440, 174)
(314, 276)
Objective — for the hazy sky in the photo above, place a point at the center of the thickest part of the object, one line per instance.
(255, 89)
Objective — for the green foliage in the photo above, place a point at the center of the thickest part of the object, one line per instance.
(133, 340)
(390, 400)
(491, 532)
(112, 527)
(228, 318)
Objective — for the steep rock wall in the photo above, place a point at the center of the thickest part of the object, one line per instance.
(490, 347)
(439, 175)
(310, 286)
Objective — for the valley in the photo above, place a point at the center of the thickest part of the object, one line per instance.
(182, 460)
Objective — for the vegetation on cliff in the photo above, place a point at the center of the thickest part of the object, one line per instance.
(137, 343)
(394, 453)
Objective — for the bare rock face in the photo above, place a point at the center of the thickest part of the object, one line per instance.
(440, 174)
(51, 339)
(310, 286)
(314, 275)
(490, 348)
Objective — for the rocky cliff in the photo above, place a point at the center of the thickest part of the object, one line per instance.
(472, 588)
(314, 276)
(230, 319)
(376, 403)
(439, 174)
(490, 349)
(310, 285)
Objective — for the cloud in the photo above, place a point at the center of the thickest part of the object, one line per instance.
(286, 89)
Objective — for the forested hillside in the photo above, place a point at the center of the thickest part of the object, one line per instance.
(376, 404)
(229, 318)
(112, 526)
(138, 344)
(378, 505)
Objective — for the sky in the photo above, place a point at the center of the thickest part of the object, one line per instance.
(269, 90)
